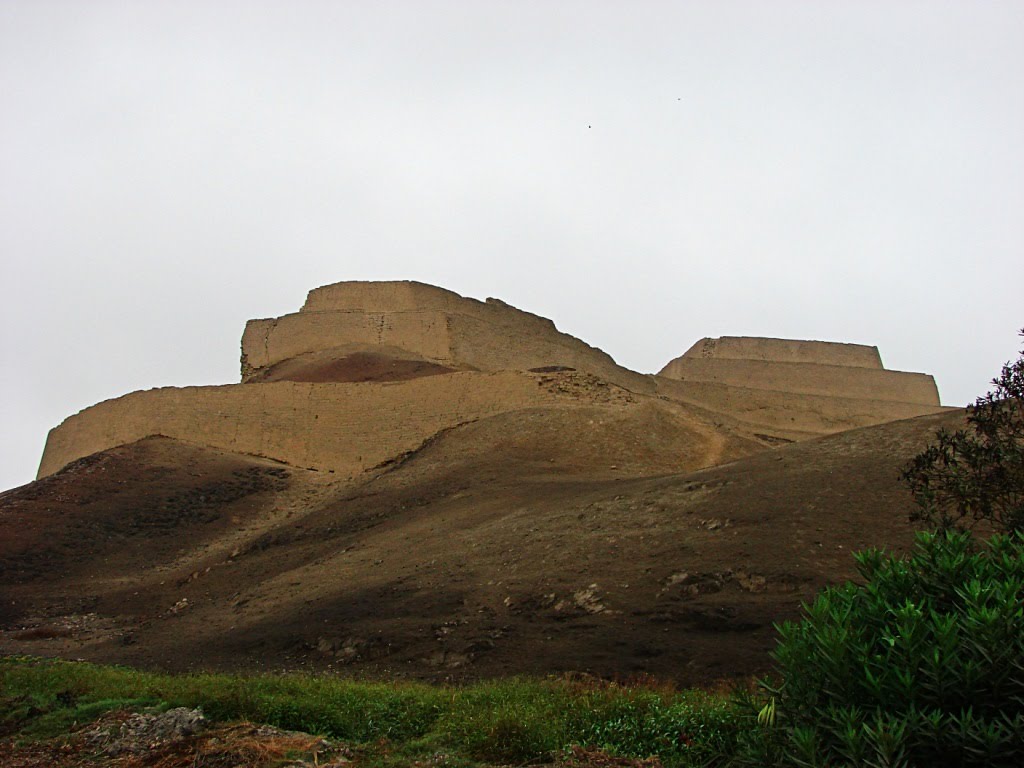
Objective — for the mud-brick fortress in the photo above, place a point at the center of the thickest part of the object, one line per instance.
(366, 372)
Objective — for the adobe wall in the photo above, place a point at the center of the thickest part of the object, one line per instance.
(777, 387)
(786, 351)
(787, 414)
(436, 324)
(496, 344)
(382, 296)
(408, 296)
(266, 342)
(342, 427)
(808, 379)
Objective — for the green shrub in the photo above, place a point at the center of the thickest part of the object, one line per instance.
(921, 666)
(976, 474)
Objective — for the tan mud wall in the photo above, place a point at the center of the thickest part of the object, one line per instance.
(438, 325)
(391, 296)
(808, 379)
(412, 296)
(505, 344)
(349, 427)
(343, 427)
(790, 415)
(786, 351)
(266, 342)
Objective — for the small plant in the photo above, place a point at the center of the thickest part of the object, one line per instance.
(923, 665)
(976, 474)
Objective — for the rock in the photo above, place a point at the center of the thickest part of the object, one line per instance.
(143, 731)
(588, 599)
(751, 582)
(179, 606)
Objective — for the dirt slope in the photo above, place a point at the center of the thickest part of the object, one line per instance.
(509, 545)
(352, 363)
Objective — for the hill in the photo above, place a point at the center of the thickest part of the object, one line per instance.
(411, 483)
(472, 557)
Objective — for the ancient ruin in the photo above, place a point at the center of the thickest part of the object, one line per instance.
(407, 483)
(367, 372)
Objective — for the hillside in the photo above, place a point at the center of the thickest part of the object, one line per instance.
(410, 482)
(484, 553)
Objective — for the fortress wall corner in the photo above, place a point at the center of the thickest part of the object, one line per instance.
(254, 346)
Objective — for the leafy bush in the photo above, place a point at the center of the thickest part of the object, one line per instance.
(976, 474)
(921, 666)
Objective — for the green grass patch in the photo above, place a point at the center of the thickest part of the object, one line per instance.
(509, 721)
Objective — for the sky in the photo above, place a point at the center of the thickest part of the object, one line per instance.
(645, 174)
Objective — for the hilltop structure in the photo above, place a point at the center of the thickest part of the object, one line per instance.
(365, 373)
(409, 483)
(800, 388)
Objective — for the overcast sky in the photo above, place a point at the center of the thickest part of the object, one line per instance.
(643, 173)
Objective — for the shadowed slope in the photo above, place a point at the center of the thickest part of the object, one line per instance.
(515, 544)
(352, 363)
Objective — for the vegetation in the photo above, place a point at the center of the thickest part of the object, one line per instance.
(507, 722)
(923, 665)
(977, 474)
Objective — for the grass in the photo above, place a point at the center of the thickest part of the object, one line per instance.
(510, 721)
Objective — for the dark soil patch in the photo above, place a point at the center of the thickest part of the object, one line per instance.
(354, 367)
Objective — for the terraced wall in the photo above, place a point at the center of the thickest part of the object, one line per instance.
(786, 351)
(436, 324)
(808, 379)
(787, 414)
(346, 428)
